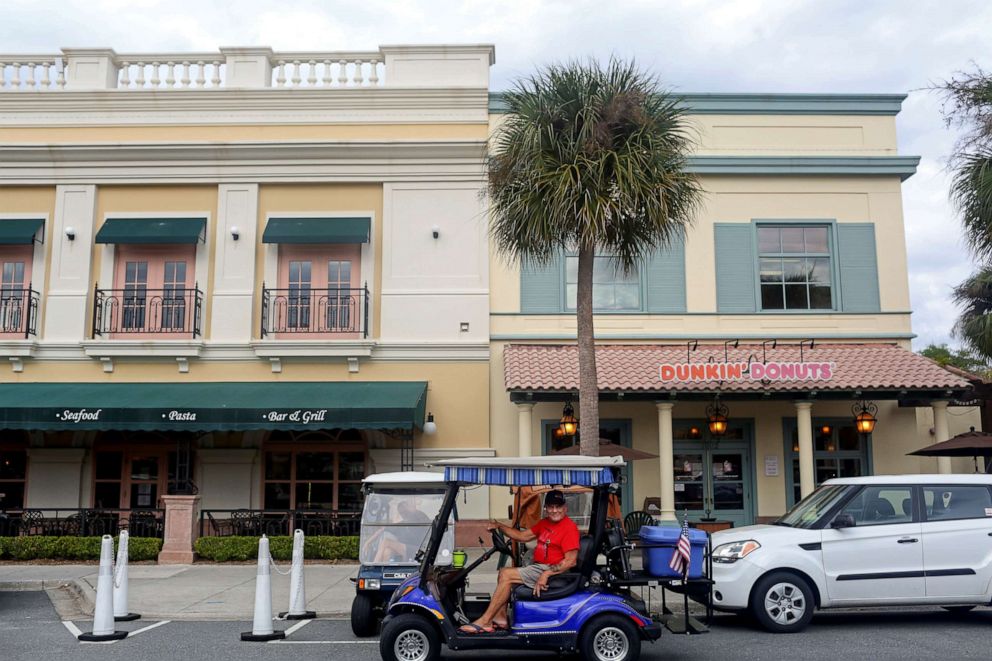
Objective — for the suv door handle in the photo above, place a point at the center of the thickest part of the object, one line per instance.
(908, 540)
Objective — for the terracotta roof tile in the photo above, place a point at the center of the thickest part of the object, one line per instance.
(636, 367)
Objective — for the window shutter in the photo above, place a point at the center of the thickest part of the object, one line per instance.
(541, 286)
(735, 264)
(665, 275)
(858, 267)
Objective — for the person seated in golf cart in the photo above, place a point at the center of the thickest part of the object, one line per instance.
(402, 542)
(556, 551)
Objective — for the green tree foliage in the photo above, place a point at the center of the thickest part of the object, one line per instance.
(590, 159)
(964, 359)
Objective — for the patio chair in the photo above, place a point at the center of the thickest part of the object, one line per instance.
(633, 522)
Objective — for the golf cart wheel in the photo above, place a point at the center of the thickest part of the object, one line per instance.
(610, 638)
(364, 620)
(409, 637)
(782, 602)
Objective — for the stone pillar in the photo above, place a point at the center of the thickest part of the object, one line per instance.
(807, 477)
(248, 67)
(941, 434)
(182, 520)
(90, 69)
(525, 420)
(666, 459)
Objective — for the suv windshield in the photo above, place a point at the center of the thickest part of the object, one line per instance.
(811, 509)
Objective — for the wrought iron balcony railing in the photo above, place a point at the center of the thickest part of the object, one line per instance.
(19, 311)
(315, 311)
(138, 311)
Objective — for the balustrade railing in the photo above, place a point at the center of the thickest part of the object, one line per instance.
(327, 69)
(31, 73)
(141, 311)
(19, 312)
(254, 523)
(82, 522)
(170, 71)
(315, 311)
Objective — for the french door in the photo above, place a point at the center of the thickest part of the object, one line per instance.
(714, 478)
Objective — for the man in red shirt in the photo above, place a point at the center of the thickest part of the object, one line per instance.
(557, 551)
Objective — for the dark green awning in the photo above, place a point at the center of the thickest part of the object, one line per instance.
(19, 231)
(317, 230)
(236, 406)
(151, 230)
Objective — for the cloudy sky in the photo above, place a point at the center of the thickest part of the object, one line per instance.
(694, 45)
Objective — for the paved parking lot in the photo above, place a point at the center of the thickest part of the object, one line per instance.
(30, 628)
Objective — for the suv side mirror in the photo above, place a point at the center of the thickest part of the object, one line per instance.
(843, 521)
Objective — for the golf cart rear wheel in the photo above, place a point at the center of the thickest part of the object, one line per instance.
(409, 637)
(610, 638)
(364, 620)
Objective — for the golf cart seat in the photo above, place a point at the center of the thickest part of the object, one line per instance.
(563, 585)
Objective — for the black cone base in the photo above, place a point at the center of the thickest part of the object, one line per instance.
(263, 637)
(91, 637)
(130, 617)
(305, 615)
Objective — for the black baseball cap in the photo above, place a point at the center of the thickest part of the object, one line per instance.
(554, 498)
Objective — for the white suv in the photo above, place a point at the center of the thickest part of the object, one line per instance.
(892, 540)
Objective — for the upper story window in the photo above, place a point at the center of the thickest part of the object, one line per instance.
(611, 289)
(795, 265)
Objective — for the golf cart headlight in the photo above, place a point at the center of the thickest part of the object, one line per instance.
(372, 584)
(734, 551)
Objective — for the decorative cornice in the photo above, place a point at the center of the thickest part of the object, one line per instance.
(888, 166)
(773, 104)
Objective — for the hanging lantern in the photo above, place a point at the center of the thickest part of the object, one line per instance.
(864, 416)
(568, 423)
(558, 433)
(716, 416)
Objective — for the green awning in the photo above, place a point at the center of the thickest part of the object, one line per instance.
(19, 231)
(317, 230)
(238, 406)
(151, 230)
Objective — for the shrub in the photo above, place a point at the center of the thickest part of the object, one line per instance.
(224, 549)
(72, 548)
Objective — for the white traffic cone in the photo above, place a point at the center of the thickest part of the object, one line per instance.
(120, 582)
(261, 627)
(103, 613)
(297, 591)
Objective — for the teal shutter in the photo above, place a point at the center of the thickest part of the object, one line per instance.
(858, 267)
(665, 275)
(735, 264)
(541, 287)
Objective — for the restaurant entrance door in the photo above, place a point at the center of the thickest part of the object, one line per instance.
(714, 478)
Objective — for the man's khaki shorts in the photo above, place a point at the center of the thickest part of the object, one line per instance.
(530, 573)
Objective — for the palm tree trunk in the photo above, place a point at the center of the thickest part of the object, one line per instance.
(588, 383)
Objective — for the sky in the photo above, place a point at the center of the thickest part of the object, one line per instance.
(825, 46)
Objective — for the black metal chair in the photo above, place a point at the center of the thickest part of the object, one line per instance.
(143, 523)
(32, 522)
(633, 522)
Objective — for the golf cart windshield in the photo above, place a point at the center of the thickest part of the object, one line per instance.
(395, 524)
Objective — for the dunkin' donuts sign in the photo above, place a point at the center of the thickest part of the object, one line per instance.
(771, 371)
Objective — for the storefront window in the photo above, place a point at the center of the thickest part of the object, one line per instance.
(13, 477)
(838, 451)
(306, 479)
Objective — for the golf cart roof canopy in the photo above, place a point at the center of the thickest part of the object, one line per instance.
(405, 478)
(560, 470)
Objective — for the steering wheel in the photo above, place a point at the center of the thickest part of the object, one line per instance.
(499, 542)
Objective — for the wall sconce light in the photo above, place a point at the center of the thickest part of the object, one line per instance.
(235, 232)
(568, 423)
(435, 231)
(70, 233)
(716, 416)
(825, 430)
(430, 428)
(695, 433)
(795, 446)
(864, 416)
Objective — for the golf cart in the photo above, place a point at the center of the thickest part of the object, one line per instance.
(590, 610)
(398, 511)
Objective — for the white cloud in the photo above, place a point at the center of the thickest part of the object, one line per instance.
(694, 45)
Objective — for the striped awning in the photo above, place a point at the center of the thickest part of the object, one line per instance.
(529, 477)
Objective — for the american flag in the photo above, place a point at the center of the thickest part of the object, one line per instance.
(683, 551)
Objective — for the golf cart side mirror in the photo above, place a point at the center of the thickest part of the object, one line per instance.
(843, 521)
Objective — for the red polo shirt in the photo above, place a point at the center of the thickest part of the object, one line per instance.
(554, 540)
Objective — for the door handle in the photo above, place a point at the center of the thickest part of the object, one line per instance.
(908, 540)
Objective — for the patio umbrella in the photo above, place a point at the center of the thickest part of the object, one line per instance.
(969, 444)
(608, 448)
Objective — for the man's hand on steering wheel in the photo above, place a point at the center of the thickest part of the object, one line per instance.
(499, 541)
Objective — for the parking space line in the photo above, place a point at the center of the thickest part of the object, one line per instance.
(76, 632)
(148, 628)
(73, 629)
(296, 627)
(324, 642)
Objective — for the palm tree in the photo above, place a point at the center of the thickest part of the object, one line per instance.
(592, 160)
(974, 326)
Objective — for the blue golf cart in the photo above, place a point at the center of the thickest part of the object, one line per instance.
(593, 610)
(397, 515)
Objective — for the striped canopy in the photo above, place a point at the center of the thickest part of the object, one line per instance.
(534, 471)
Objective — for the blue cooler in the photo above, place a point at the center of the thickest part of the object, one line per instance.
(656, 560)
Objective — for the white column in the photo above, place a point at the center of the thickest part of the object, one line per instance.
(804, 414)
(68, 302)
(666, 461)
(525, 418)
(232, 318)
(941, 434)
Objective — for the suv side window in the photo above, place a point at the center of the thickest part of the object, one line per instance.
(957, 501)
(874, 506)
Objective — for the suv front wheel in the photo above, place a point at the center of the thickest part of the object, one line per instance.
(782, 602)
